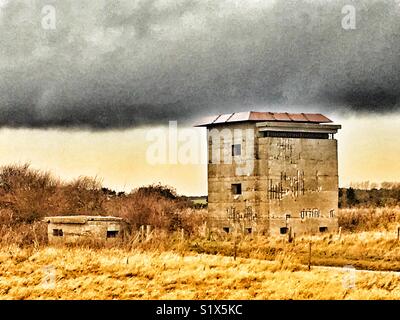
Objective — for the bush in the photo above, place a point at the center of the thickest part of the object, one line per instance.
(155, 205)
(367, 219)
(23, 234)
(28, 195)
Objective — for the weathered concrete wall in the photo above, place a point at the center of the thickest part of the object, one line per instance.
(224, 207)
(291, 177)
(300, 179)
(92, 230)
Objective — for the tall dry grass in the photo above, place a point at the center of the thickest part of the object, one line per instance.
(81, 273)
(369, 218)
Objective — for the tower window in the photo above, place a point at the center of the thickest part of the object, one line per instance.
(237, 188)
(236, 149)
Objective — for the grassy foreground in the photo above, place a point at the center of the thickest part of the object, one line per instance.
(81, 273)
(372, 250)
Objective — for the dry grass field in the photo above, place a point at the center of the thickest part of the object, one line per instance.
(167, 266)
(82, 273)
(181, 259)
(370, 250)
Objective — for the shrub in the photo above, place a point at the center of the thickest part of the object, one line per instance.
(366, 219)
(27, 195)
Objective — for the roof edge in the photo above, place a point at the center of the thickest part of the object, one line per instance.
(261, 116)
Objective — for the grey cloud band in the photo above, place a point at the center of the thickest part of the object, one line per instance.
(121, 64)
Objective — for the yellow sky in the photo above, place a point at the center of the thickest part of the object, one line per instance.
(369, 149)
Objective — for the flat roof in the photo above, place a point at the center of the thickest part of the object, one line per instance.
(80, 219)
(256, 116)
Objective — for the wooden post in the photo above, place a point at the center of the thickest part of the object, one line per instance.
(148, 230)
(340, 232)
(182, 234)
(290, 238)
(236, 226)
(309, 256)
(142, 232)
(235, 249)
(398, 233)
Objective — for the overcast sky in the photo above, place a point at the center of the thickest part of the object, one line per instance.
(135, 65)
(124, 64)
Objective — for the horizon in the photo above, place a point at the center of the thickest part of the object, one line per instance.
(118, 157)
(84, 84)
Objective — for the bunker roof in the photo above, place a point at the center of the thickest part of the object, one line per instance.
(80, 219)
(256, 116)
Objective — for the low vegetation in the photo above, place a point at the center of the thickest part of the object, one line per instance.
(180, 259)
(369, 219)
(369, 195)
(82, 273)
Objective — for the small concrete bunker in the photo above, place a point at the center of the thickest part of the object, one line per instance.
(78, 228)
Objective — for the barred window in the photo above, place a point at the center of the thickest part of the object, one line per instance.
(298, 135)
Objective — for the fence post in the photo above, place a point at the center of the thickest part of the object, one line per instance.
(182, 234)
(290, 237)
(340, 233)
(309, 256)
(235, 249)
(398, 233)
(148, 230)
(235, 243)
(204, 230)
(142, 232)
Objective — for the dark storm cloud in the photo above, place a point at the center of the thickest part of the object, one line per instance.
(119, 64)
